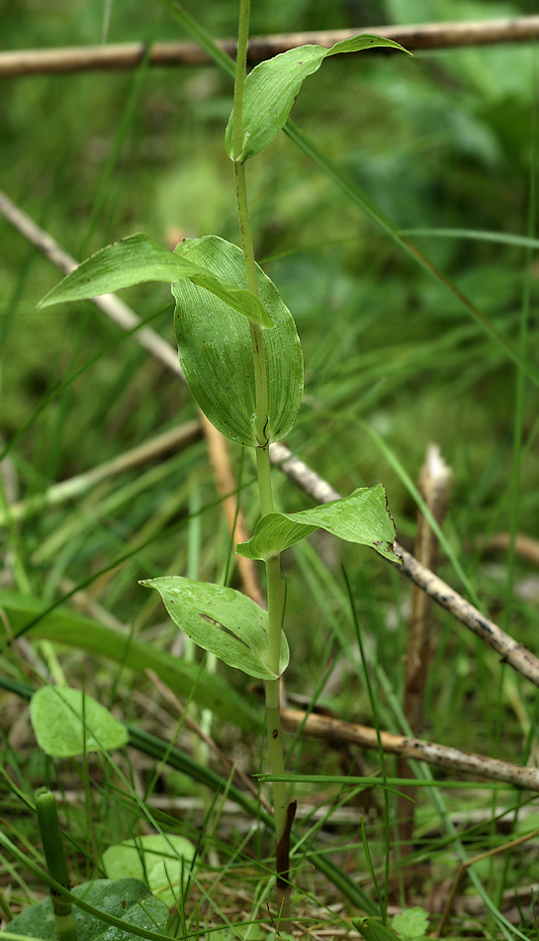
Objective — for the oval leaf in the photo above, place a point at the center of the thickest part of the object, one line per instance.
(57, 717)
(214, 346)
(127, 899)
(164, 862)
(223, 621)
(363, 518)
(137, 259)
(272, 87)
(62, 625)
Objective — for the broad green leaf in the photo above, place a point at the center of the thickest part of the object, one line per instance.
(373, 930)
(221, 620)
(137, 259)
(75, 630)
(214, 346)
(363, 517)
(57, 714)
(167, 861)
(411, 924)
(273, 85)
(127, 899)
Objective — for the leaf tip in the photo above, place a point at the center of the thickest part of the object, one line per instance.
(44, 302)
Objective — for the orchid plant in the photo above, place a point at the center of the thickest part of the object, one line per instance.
(241, 355)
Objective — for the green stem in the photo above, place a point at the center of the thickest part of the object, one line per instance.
(273, 566)
(51, 838)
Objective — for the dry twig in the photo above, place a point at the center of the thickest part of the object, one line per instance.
(75, 486)
(442, 756)
(130, 55)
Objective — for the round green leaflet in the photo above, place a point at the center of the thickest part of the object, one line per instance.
(67, 723)
(214, 346)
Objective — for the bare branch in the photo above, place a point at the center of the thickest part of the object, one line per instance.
(442, 756)
(130, 55)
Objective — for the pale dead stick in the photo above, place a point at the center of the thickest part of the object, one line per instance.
(129, 55)
(80, 483)
(518, 656)
(442, 756)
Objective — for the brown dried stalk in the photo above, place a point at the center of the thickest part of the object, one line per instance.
(434, 486)
(130, 55)
(226, 486)
(525, 547)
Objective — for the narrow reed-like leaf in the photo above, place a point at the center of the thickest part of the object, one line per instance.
(53, 846)
(185, 679)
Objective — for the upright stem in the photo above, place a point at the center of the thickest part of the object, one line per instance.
(53, 846)
(273, 566)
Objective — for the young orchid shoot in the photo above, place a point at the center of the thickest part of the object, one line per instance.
(241, 355)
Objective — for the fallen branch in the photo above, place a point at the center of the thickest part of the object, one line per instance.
(130, 55)
(520, 658)
(111, 305)
(442, 756)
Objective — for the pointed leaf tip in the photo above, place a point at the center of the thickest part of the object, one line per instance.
(272, 86)
(137, 259)
(362, 518)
